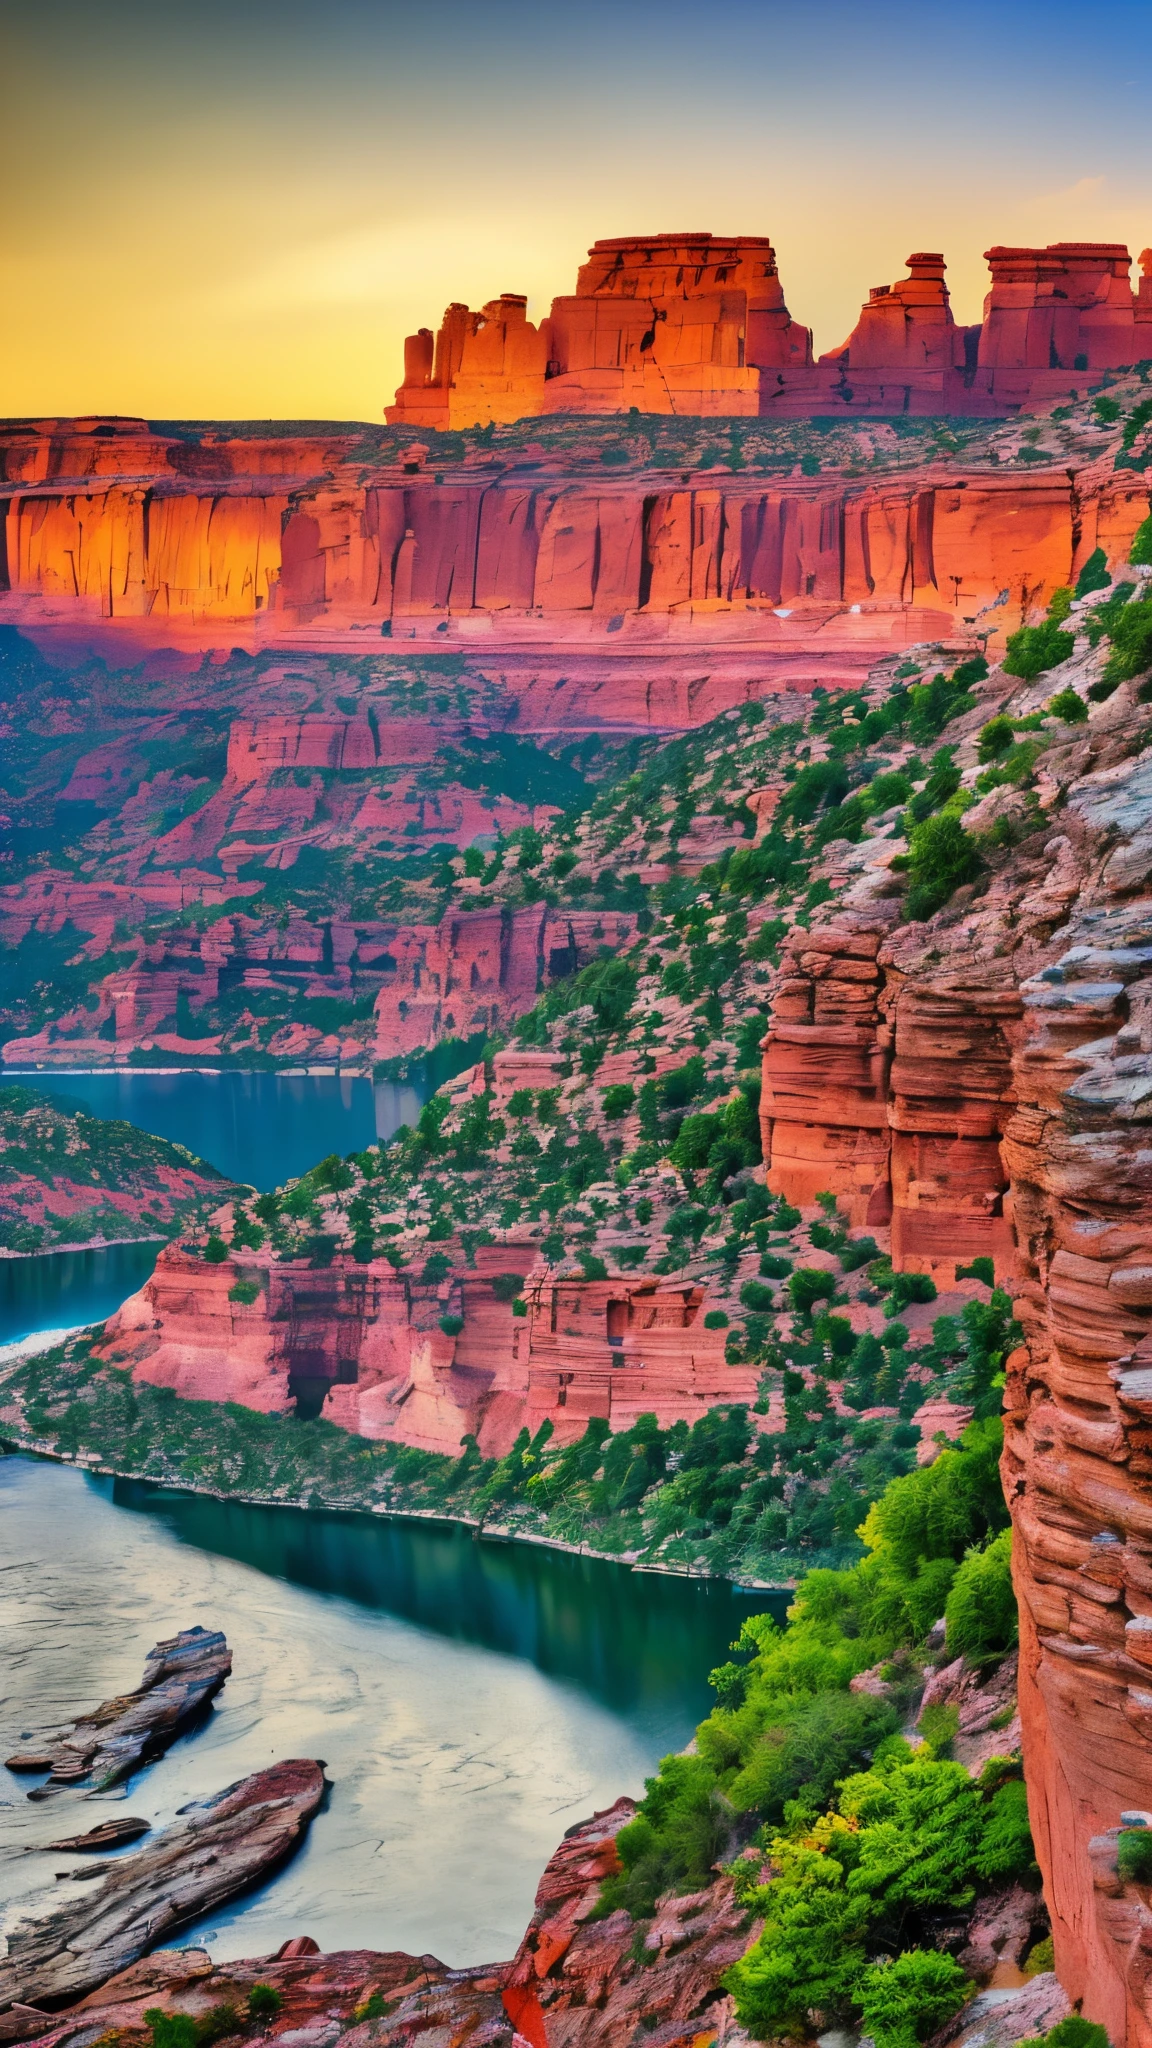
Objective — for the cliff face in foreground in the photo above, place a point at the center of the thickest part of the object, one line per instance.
(986, 1085)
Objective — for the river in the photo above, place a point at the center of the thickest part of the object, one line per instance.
(472, 1700)
(259, 1128)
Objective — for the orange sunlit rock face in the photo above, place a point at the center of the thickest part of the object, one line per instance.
(665, 323)
(284, 534)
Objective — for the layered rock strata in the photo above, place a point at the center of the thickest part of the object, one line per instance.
(367, 1347)
(181, 1678)
(504, 552)
(988, 1079)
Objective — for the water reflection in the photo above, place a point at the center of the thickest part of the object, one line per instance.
(471, 1700)
(259, 1128)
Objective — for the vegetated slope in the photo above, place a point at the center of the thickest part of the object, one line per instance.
(71, 1179)
(232, 846)
(655, 1178)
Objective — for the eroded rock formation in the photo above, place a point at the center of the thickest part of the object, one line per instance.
(989, 1078)
(367, 1347)
(698, 324)
(512, 555)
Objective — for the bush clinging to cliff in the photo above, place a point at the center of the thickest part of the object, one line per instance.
(941, 858)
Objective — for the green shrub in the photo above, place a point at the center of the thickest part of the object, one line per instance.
(170, 2029)
(215, 1251)
(1005, 1851)
(996, 738)
(1134, 1855)
(910, 1287)
(774, 1266)
(617, 1100)
(694, 1140)
(264, 2002)
(1059, 605)
(755, 1295)
(1131, 642)
(980, 1269)
(822, 785)
(506, 1286)
(941, 858)
(811, 1950)
(1094, 575)
(887, 789)
(1140, 553)
(981, 1613)
(1041, 1956)
(1069, 706)
(715, 1319)
(451, 1325)
(245, 1292)
(856, 1253)
(1032, 649)
(933, 705)
(943, 782)
(904, 2001)
(1105, 410)
(808, 1285)
(1073, 2032)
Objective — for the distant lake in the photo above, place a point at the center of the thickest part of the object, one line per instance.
(59, 1290)
(259, 1128)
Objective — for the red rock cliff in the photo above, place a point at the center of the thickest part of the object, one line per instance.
(295, 534)
(987, 1080)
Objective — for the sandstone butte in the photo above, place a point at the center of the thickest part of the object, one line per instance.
(698, 324)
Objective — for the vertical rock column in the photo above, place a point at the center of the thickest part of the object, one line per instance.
(1078, 1451)
(824, 1092)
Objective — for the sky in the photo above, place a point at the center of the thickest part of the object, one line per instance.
(236, 209)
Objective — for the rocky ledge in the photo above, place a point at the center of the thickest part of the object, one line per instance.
(216, 1848)
(574, 1979)
(181, 1677)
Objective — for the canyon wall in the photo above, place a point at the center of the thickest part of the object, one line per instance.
(506, 555)
(366, 1347)
(470, 973)
(698, 324)
(985, 1083)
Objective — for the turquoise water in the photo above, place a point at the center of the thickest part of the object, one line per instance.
(472, 1700)
(259, 1128)
(59, 1290)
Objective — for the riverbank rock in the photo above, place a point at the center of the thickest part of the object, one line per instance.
(215, 1848)
(181, 1676)
(111, 1834)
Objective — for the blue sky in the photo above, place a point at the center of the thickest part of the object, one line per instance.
(239, 209)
